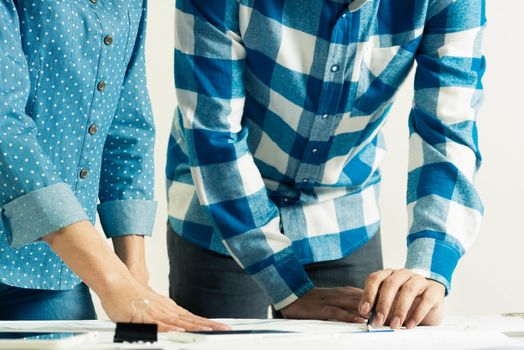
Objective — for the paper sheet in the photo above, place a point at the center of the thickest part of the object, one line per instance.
(483, 333)
(57, 326)
(422, 338)
(299, 326)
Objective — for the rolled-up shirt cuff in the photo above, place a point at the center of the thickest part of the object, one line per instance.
(41, 212)
(433, 259)
(284, 279)
(127, 217)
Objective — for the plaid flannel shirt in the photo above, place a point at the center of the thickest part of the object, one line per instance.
(276, 144)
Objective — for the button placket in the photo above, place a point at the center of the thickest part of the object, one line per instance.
(93, 129)
(105, 33)
(322, 129)
(84, 173)
(108, 40)
(101, 86)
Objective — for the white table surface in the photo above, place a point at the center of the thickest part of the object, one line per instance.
(456, 332)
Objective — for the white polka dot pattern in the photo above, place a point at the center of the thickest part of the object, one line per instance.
(75, 127)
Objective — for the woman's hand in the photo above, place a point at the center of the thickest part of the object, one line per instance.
(160, 310)
(91, 258)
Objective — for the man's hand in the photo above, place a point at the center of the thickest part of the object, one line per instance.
(339, 304)
(402, 297)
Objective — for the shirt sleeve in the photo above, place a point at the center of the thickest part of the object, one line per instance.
(34, 200)
(444, 208)
(127, 177)
(209, 64)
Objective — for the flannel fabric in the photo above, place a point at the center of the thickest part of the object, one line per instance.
(276, 143)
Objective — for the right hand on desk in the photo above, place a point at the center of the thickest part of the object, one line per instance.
(339, 304)
(161, 310)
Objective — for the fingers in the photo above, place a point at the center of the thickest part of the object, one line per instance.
(188, 325)
(384, 288)
(429, 311)
(216, 326)
(371, 288)
(168, 323)
(162, 327)
(174, 317)
(410, 289)
(329, 312)
(347, 298)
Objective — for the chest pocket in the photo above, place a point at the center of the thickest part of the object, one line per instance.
(386, 62)
(44, 24)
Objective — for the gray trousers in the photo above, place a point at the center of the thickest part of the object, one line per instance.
(214, 286)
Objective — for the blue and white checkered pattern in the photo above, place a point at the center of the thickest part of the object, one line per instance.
(276, 144)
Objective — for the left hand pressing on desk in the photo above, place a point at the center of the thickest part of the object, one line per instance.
(402, 297)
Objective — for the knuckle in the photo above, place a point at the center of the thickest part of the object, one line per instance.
(410, 288)
(373, 277)
(389, 283)
(430, 297)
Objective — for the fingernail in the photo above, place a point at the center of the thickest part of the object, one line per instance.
(379, 320)
(206, 329)
(411, 324)
(395, 324)
(365, 309)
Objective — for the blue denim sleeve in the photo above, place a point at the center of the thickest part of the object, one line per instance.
(127, 177)
(38, 213)
(33, 199)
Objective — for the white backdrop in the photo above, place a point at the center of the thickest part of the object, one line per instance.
(490, 277)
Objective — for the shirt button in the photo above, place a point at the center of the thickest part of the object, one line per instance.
(93, 1)
(108, 40)
(334, 68)
(101, 86)
(305, 180)
(83, 173)
(314, 150)
(325, 116)
(93, 129)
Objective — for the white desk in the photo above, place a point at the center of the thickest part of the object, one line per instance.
(457, 332)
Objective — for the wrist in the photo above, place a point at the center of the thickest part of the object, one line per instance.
(85, 251)
(130, 249)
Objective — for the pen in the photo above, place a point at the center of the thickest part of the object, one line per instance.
(369, 325)
(372, 316)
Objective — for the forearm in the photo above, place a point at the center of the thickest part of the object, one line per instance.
(85, 251)
(130, 249)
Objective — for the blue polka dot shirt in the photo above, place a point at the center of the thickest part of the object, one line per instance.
(76, 129)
